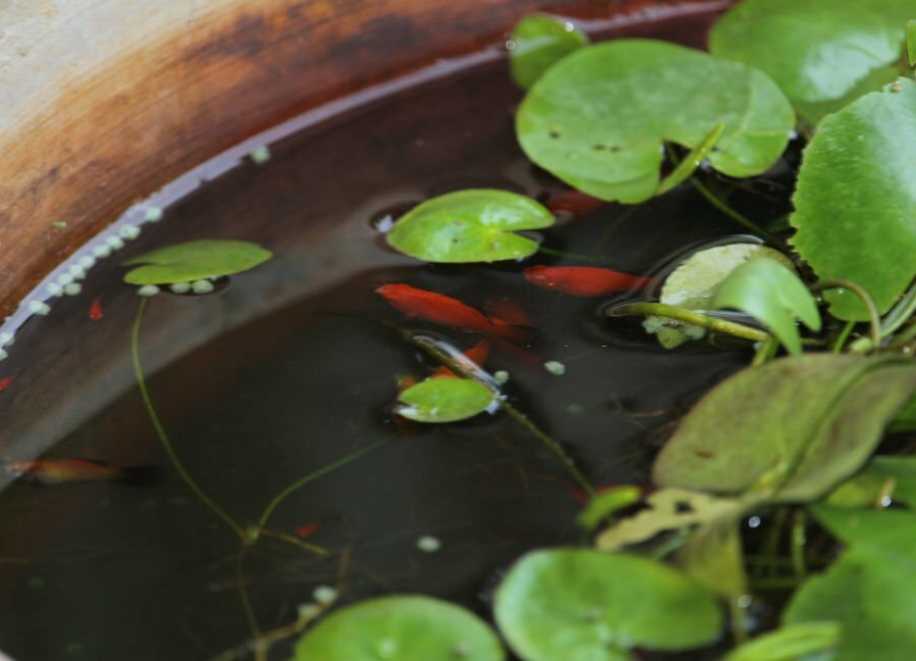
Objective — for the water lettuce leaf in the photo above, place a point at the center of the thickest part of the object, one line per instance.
(475, 225)
(400, 627)
(869, 591)
(195, 260)
(583, 604)
(598, 118)
(539, 41)
(445, 400)
(806, 423)
(855, 199)
(822, 54)
(771, 293)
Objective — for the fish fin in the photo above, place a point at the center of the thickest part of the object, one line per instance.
(140, 476)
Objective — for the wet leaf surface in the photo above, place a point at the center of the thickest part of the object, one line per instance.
(809, 640)
(443, 399)
(195, 260)
(538, 42)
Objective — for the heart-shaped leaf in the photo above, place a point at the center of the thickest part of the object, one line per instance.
(855, 200)
(772, 294)
(805, 422)
(195, 260)
(476, 225)
(400, 627)
(537, 42)
(869, 591)
(822, 54)
(597, 119)
(582, 604)
(445, 400)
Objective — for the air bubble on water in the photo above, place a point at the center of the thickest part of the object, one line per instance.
(202, 287)
(146, 291)
(129, 232)
(40, 308)
(73, 289)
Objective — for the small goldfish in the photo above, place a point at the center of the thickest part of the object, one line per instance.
(585, 281)
(477, 353)
(95, 310)
(574, 202)
(5, 383)
(507, 311)
(65, 471)
(444, 310)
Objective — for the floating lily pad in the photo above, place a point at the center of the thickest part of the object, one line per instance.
(445, 400)
(869, 591)
(771, 293)
(806, 423)
(855, 200)
(822, 54)
(598, 118)
(400, 628)
(807, 640)
(537, 42)
(195, 260)
(577, 604)
(476, 225)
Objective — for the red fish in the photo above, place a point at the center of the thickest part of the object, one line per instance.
(64, 471)
(585, 281)
(477, 353)
(574, 202)
(444, 310)
(5, 383)
(95, 310)
(506, 311)
(306, 530)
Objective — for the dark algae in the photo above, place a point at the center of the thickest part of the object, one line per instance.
(604, 356)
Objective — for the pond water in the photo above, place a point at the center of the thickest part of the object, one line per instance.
(290, 368)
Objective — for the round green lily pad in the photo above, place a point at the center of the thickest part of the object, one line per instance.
(476, 225)
(598, 118)
(585, 605)
(195, 260)
(400, 628)
(445, 400)
(538, 42)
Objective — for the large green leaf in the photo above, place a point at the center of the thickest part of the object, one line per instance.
(772, 294)
(476, 225)
(869, 591)
(855, 200)
(805, 423)
(400, 628)
(195, 260)
(440, 399)
(793, 642)
(582, 605)
(822, 54)
(537, 42)
(884, 476)
(597, 119)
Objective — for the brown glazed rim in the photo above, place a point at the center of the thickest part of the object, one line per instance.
(119, 133)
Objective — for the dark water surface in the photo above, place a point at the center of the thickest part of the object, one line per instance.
(288, 369)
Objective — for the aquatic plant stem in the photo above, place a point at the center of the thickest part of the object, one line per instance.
(722, 206)
(160, 428)
(314, 475)
(523, 420)
(645, 309)
(862, 295)
(243, 593)
(765, 352)
(294, 541)
(843, 336)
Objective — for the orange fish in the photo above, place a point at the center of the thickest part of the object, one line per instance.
(508, 311)
(477, 353)
(574, 202)
(95, 310)
(444, 310)
(5, 383)
(585, 281)
(65, 471)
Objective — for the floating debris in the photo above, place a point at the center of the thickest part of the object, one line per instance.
(260, 155)
(501, 377)
(129, 232)
(114, 242)
(555, 367)
(325, 595)
(202, 287)
(153, 215)
(101, 251)
(148, 290)
(180, 287)
(429, 544)
(54, 289)
(40, 308)
(73, 289)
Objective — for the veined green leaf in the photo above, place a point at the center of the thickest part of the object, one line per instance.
(537, 42)
(582, 604)
(855, 200)
(476, 225)
(772, 294)
(597, 119)
(400, 627)
(195, 260)
(822, 54)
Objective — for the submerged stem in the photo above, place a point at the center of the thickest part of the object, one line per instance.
(723, 206)
(843, 336)
(690, 317)
(160, 428)
(250, 618)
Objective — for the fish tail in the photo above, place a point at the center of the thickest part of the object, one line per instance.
(140, 476)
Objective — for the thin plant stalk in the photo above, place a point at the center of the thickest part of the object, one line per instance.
(294, 541)
(250, 618)
(645, 309)
(765, 352)
(843, 336)
(163, 435)
(723, 206)
(860, 293)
